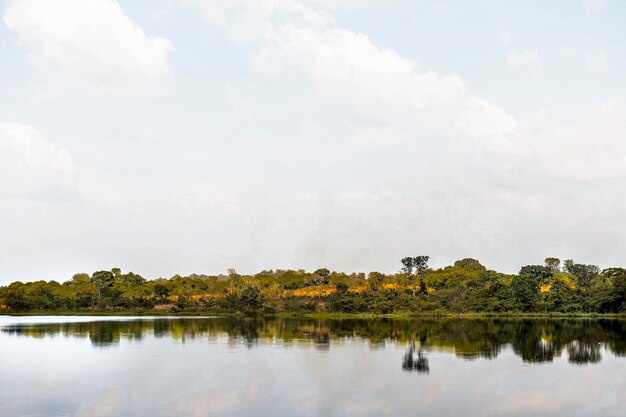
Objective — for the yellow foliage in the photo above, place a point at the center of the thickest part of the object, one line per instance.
(358, 289)
(567, 280)
(313, 291)
(545, 288)
(391, 286)
(273, 291)
(398, 287)
(204, 296)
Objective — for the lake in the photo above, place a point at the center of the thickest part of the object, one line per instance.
(203, 366)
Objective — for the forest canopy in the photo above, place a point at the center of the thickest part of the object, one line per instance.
(466, 286)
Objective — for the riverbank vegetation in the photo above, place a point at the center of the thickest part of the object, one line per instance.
(464, 287)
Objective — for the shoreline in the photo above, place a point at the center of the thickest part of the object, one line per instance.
(322, 315)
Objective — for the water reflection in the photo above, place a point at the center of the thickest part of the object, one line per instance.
(228, 367)
(536, 341)
(414, 359)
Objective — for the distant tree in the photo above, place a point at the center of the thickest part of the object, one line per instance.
(525, 286)
(407, 268)
(102, 280)
(313, 280)
(553, 263)
(80, 278)
(618, 284)
(618, 277)
(131, 279)
(537, 273)
(325, 274)
(182, 302)
(525, 291)
(342, 287)
(567, 264)
(161, 291)
(374, 280)
(249, 300)
(470, 264)
(584, 274)
(421, 264)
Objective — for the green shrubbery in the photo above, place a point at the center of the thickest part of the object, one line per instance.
(465, 287)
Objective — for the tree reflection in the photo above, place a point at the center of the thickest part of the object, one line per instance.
(535, 341)
(582, 353)
(414, 359)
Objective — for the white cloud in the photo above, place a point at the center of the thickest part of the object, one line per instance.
(375, 85)
(504, 38)
(584, 146)
(24, 146)
(483, 120)
(528, 62)
(88, 41)
(391, 99)
(402, 153)
(347, 65)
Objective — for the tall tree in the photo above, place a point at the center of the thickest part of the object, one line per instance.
(618, 284)
(553, 263)
(102, 280)
(374, 280)
(325, 274)
(421, 265)
(584, 274)
(407, 268)
(525, 286)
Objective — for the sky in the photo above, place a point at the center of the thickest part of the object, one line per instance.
(190, 136)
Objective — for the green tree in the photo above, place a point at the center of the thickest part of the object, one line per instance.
(161, 291)
(421, 265)
(374, 280)
(584, 274)
(553, 263)
(103, 280)
(618, 285)
(407, 268)
(525, 286)
(80, 278)
(250, 301)
(470, 264)
(325, 274)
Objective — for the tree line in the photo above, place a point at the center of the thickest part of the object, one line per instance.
(463, 287)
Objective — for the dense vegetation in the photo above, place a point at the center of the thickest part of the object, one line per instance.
(465, 287)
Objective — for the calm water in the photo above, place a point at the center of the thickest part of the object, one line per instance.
(88, 366)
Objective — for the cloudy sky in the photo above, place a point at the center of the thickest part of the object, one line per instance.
(182, 136)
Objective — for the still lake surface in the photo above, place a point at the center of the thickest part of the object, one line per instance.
(152, 367)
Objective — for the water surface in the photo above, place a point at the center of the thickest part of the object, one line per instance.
(124, 366)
